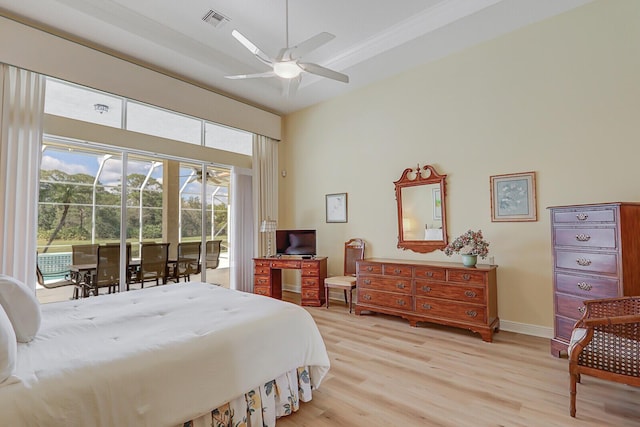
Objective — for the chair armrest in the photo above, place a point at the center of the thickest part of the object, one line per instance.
(615, 320)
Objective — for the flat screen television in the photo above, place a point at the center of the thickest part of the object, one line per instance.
(296, 242)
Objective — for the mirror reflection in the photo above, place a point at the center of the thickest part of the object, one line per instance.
(422, 212)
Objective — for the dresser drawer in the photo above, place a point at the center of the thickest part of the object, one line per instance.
(259, 270)
(586, 286)
(285, 263)
(312, 294)
(430, 273)
(462, 312)
(385, 284)
(588, 261)
(385, 299)
(466, 276)
(586, 237)
(570, 306)
(311, 282)
(452, 292)
(262, 263)
(310, 272)
(313, 265)
(369, 268)
(584, 216)
(564, 327)
(397, 270)
(261, 280)
(262, 290)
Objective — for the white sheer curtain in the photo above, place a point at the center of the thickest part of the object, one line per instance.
(241, 230)
(21, 114)
(265, 185)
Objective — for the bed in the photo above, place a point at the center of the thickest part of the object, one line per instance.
(164, 356)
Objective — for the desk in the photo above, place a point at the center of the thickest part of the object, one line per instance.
(267, 277)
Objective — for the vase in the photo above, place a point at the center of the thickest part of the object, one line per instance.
(469, 260)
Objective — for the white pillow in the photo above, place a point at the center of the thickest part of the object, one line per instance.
(21, 306)
(8, 347)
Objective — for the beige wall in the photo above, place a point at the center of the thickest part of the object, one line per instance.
(561, 98)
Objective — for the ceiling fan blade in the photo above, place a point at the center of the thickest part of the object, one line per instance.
(301, 49)
(252, 76)
(324, 72)
(252, 47)
(290, 86)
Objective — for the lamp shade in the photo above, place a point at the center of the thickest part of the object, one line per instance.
(268, 225)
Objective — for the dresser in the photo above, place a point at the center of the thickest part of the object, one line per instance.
(436, 292)
(596, 254)
(267, 277)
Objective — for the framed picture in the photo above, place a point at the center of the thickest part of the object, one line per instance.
(513, 197)
(336, 205)
(437, 204)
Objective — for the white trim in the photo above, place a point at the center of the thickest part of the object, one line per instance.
(526, 329)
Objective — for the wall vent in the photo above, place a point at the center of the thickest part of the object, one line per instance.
(215, 18)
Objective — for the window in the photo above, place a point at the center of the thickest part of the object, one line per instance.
(166, 124)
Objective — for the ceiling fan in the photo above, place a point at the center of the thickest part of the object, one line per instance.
(287, 64)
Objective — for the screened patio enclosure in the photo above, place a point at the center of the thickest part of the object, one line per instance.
(84, 199)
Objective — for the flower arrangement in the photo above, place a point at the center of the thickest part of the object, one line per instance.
(470, 243)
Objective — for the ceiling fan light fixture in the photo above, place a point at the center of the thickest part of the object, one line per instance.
(287, 69)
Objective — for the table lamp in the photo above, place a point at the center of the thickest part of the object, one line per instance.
(268, 226)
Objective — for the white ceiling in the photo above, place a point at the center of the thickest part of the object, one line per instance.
(375, 39)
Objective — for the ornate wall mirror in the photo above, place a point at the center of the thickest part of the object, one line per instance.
(422, 223)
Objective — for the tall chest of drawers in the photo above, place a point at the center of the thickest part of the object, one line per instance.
(596, 254)
(437, 292)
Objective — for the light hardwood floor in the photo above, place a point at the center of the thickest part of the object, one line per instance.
(386, 373)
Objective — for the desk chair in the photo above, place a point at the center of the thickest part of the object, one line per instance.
(353, 251)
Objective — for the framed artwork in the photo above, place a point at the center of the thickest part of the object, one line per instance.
(437, 204)
(336, 205)
(513, 197)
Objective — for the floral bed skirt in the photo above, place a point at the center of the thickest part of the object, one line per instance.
(261, 406)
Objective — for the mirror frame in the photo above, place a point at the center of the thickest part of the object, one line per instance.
(415, 177)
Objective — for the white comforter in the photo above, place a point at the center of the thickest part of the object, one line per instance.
(155, 357)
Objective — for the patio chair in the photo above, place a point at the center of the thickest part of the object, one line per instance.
(107, 272)
(605, 343)
(57, 284)
(212, 258)
(188, 261)
(153, 264)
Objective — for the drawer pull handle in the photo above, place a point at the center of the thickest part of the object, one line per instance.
(369, 268)
(429, 273)
(472, 313)
(367, 297)
(426, 288)
(582, 216)
(466, 276)
(397, 271)
(582, 237)
(470, 294)
(584, 286)
(426, 306)
(581, 309)
(400, 285)
(366, 281)
(583, 262)
(401, 302)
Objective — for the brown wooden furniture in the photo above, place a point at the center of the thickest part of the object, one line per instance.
(605, 343)
(437, 292)
(422, 219)
(267, 277)
(596, 254)
(353, 251)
